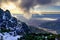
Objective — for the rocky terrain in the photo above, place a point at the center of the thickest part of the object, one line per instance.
(10, 27)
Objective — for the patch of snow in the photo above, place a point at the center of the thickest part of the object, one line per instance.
(7, 36)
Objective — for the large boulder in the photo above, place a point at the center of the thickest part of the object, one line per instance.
(1, 15)
(6, 15)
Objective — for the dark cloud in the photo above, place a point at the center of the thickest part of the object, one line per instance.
(27, 4)
(43, 2)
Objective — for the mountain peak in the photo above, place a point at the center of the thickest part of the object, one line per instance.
(10, 24)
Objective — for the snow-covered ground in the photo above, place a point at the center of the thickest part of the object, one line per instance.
(7, 36)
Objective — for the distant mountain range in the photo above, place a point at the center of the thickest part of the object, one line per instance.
(53, 25)
(44, 23)
(46, 16)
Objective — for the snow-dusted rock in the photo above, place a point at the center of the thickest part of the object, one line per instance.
(10, 27)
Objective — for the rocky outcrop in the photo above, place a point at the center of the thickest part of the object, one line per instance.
(10, 24)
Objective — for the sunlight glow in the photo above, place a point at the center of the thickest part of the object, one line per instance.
(47, 19)
(12, 7)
